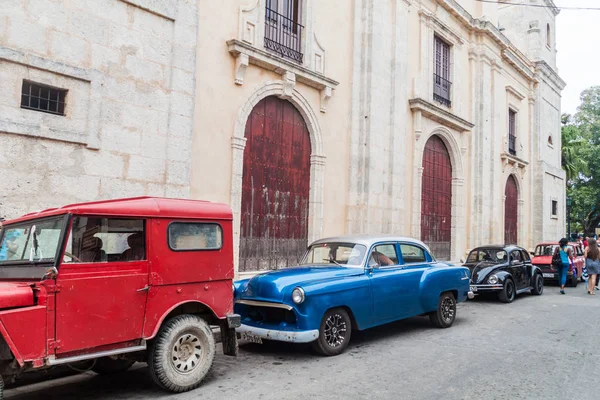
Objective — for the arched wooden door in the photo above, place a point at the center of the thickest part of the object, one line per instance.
(436, 198)
(511, 205)
(275, 187)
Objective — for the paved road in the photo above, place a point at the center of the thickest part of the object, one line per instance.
(544, 347)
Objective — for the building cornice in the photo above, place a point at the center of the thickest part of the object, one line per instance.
(542, 67)
(510, 52)
(440, 115)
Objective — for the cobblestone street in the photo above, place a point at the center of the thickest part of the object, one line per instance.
(493, 351)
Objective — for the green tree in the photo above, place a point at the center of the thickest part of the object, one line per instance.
(581, 159)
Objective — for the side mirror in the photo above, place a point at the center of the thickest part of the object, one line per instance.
(50, 273)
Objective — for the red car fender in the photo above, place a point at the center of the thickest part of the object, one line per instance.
(11, 344)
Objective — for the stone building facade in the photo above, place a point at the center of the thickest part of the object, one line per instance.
(438, 119)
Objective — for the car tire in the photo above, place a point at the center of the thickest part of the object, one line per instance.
(573, 281)
(508, 292)
(334, 333)
(445, 314)
(1, 388)
(182, 353)
(538, 285)
(110, 366)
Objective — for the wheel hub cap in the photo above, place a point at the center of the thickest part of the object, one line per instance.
(447, 309)
(335, 330)
(186, 353)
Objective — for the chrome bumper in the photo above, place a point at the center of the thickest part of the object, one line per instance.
(282, 336)
(470, 295)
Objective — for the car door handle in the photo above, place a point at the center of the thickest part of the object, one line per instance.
(144, 289)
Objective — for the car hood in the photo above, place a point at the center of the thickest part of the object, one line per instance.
(272, 286)
(541, 260)
(481, 270)
(15, 294)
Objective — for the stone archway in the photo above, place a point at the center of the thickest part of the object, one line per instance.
(457, 228)
(317, 159)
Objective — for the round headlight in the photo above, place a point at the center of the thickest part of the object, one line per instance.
(493, 279)
(298, 295)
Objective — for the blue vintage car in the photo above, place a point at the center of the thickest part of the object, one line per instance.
(349, 283)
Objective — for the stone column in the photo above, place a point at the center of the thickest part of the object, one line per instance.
(238, 144)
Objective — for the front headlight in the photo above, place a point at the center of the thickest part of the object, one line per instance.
(298, 295)
(493, 280)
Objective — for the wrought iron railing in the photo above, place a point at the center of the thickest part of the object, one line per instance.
(441, 90)
(512, 145)
(283, 36)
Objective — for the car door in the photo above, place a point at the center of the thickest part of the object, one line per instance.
(103, 284)
(516, 268)
(527, 269)
(394, 286)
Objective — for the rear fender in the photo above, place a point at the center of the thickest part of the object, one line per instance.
(436, 281)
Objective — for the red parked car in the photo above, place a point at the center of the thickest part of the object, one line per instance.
(116, 282)
(543, 259)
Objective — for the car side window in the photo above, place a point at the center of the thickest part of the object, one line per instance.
(525, 255)
(515, 255)
(95, 240)
(412, 254)
(384, 255)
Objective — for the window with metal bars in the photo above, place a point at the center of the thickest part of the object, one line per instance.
(512, 132)
(39, 97)
(441, 74)
(283, 32)
(554, 208)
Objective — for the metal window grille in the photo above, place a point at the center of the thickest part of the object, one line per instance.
(441, 75)
(554, 207)
(283, 33)
(512, 132)
(39, 97)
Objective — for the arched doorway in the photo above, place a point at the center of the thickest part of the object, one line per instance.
(511, 204)
(436, 198)
(275, 187)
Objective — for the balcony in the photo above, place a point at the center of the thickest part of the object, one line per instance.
(283, 36)
(441, 90)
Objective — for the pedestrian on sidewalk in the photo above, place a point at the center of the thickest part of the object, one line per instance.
(592, 263)
(561, 260)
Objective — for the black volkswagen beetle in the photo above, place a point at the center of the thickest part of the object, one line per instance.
(506, 270)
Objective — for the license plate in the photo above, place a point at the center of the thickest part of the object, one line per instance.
(548, 275)
(251, 338)
(473, 288)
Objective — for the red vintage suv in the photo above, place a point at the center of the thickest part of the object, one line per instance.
(543, 259)
(115, 282)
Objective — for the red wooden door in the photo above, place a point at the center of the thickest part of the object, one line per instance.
(511, 205)
(275, 187)
(436, 198)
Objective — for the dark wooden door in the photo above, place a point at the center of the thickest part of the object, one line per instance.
(511, 205)
(436, 198)
(275, 187)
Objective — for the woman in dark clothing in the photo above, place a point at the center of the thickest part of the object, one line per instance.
(563, 261)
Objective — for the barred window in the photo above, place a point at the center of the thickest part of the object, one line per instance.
(39, 97)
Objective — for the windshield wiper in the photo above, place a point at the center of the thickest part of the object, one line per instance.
(331, 260)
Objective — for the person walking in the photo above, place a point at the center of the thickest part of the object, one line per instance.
(562, 260)
(592, 263)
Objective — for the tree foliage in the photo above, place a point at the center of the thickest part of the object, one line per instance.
(581, 160)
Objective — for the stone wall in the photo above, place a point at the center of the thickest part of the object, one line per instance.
(128, 66)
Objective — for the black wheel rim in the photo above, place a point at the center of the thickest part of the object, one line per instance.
(335, 330)
(540, 284)
(510, 290)
(447, 309)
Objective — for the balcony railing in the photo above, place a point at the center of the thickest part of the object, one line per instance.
(441, 90)
(283, 36)
(512, 145)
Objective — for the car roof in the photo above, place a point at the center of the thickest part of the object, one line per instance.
(369, 240)
(500, 247)
(139, 207)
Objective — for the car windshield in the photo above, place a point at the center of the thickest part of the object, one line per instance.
(31, 241)
(346, 254)
(496, 256)
(547, 249)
